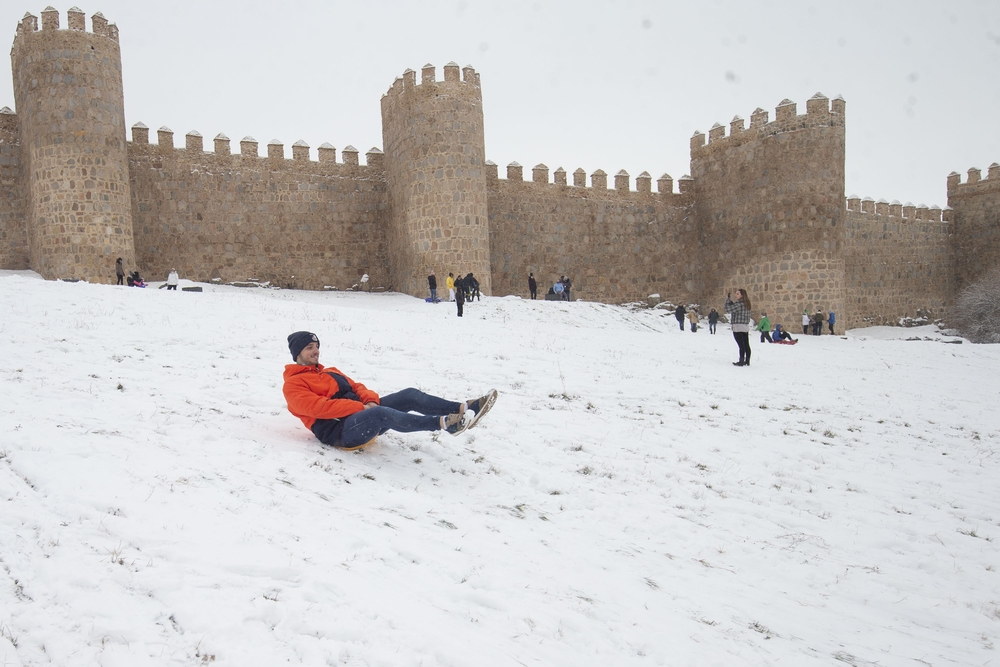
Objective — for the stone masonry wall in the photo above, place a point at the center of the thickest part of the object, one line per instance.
(976, 215)
(770, 209)
(296, 223)
(13, 213)
(433, 137)
(898, 261)
(68, 92)
(616, 246)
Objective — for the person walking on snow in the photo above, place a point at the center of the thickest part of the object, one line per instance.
(713, 320)
(172, 279)
(343, 413)
(532, 286)
(806, 321)
(120, 271)
(679, 314)
(739, 318)
(830, 321)
(693, 319)
(764, 327)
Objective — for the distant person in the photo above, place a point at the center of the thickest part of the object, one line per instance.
(364, 281)
(460, 295)
(120, 271)
(764, 327)
(450, 284)
(343, 413)
(532, 286)
(471, 287)
(680, 313)
(558, 289)
(693, 319)
(432, 282)
(830, 319)
(817, 323)
(567, 284)
(713, 320)
(806, 322)
(739, 318)
(172, 280)
(780, 334)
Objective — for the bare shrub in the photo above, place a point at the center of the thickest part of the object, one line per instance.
(976, 313)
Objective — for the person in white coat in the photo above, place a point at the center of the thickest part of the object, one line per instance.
(172, 279)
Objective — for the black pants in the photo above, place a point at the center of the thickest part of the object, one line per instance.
(831, 329)
(765, 337)
(460, 302)
(121, 280)
(743, 341)
(534, 294)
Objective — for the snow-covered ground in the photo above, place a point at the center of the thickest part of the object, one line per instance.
(632, 498)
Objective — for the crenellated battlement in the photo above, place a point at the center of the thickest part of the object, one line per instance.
(820, 112)
(453, 74)
(974, 183)
(906, 212)
(75, 21)
(249, 148)
(598, 179)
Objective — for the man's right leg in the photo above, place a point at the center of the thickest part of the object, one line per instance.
(362, 426)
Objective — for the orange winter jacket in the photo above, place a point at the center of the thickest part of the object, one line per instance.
(315, 392)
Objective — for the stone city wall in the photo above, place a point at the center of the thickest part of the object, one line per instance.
(293, 222)
(616, 245)
(433, 137)
(976, 205)
(13, 205)
(898, 261)
(770, 209)
(68, 92)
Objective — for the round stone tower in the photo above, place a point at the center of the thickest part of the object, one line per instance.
(68, 92)
(435, 155)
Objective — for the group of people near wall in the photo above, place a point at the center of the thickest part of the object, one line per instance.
(694, 318)
(815, 322)
(133, 279)
(560, 290)
(740, 319)
(460, 290)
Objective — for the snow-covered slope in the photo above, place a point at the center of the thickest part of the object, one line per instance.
(632, 499)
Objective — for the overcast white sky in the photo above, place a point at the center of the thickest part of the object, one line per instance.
(592, 84)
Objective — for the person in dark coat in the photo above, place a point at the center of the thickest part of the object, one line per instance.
(566, 285)
(432, 282)
(472, 287)
(679, 314)
(120, 271)
(713, 320)
(460, 294)
(532, 285)
(817, 322)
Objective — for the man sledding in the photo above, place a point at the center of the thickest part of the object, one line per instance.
(343, 413)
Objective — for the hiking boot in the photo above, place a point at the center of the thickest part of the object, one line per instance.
(454, 423)
(481, 406)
